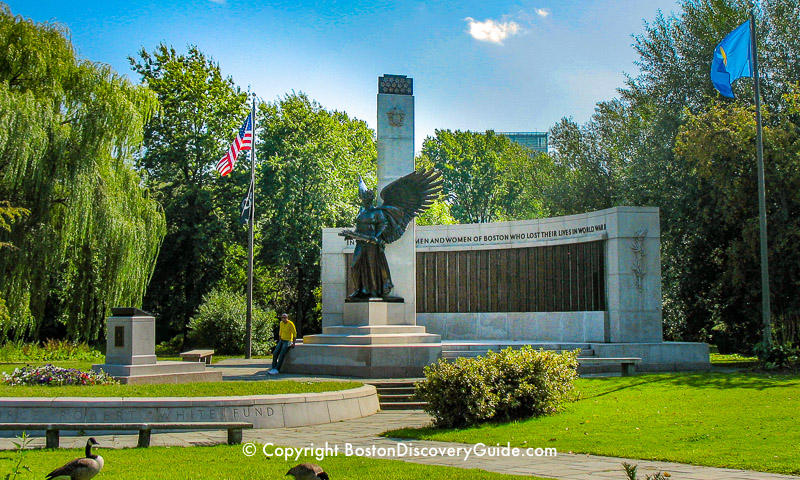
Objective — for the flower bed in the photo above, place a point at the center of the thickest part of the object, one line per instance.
(51, 375)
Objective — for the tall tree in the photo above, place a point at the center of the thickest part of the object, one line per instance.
(477, 170)
(310, 180)
(717, 145)
(8, 215)
(630, 145)
(200, 110)
(69, 129)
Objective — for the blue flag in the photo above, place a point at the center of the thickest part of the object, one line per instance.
(732, 59)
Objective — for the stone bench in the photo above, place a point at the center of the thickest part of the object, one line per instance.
(627, 364)
(198, 356)
(234, 429)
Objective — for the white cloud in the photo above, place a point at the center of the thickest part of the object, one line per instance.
(491, 31)
(542, 12)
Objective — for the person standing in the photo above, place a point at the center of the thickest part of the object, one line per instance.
(286, 337)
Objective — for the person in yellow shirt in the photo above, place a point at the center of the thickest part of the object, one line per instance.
(286, 337)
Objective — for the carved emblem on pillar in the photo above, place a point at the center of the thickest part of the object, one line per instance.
(396, 117)
(638, 257)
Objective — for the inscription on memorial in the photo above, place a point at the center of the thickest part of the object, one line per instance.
(509, 237)
(120, 415)
(534, 234)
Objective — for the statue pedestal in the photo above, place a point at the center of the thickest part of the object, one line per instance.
(374, 341)
(373, 312)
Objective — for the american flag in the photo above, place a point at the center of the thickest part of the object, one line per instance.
(244, 141)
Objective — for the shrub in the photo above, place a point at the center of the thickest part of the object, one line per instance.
(776, 356)
(220, 324)
(170, 347)
(50, 375)
(509, 385)
(532, 383)
(458, 393)
(50, 350)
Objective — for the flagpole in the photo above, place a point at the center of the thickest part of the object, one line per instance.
(762, 203)
(252, 192)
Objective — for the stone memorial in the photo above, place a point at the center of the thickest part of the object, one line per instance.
(377, 337)
(590, 281)
(131, 353)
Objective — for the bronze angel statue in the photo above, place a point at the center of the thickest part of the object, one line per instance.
(403, 199)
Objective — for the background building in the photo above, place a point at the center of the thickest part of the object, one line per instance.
(534, 140)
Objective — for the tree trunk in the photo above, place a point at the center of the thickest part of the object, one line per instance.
(299, 310)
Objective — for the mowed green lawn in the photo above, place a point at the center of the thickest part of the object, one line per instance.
(273, 386)
(737, 420)
(205, 389)
(228, 462)
(9, 367)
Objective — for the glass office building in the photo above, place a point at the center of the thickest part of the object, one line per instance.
(534, 140)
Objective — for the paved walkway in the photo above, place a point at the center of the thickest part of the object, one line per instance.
(364, 433)
(256, 369)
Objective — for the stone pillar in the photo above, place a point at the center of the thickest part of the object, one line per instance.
(395, 160)
(131, 337)
(633, 276)
(376, 338)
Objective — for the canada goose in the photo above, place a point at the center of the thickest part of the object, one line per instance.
(307, 471)
(80, 468)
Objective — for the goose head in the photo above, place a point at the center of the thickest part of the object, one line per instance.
(89, 444)
(307, 471)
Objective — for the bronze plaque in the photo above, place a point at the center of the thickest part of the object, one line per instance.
(119, 336)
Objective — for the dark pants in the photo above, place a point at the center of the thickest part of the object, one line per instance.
(279, 353)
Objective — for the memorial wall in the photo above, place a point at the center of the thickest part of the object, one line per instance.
(594, 277)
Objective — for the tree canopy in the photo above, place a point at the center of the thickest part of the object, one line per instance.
(487, 177)
(68, 132)
(200, 111)
(313, 158)
(671, 141)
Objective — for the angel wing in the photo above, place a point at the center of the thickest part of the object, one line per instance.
(407, 197)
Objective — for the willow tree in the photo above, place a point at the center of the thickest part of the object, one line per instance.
(69, 129)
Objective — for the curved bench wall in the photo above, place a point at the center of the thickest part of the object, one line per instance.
(264, 411)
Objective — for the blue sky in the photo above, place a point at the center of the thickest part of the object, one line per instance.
(477, 65)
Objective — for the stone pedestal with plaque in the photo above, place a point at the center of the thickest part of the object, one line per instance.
(131, 357)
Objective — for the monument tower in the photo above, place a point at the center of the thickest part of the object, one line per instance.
(374, 338)
(396, 159)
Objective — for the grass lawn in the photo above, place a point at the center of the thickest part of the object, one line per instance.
(737, 420)
(207, 389)
(733, 360)
(228, 462)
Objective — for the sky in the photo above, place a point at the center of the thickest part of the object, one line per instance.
(477, 65)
